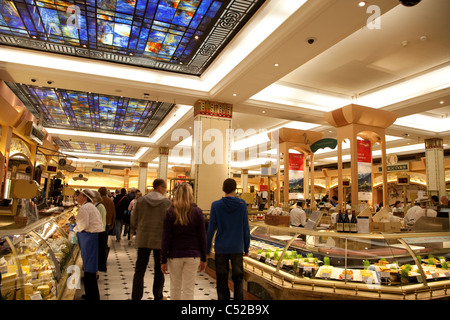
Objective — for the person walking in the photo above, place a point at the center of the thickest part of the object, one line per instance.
(121, 203)
(109, 225)
(183, 247)
(147, 219)
(89, 225)
(102, 244)
(132, 232)
(229, 220)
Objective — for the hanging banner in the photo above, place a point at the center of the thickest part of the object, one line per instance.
(296, 165)
(364, 170)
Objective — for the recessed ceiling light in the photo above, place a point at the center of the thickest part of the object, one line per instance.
(276, 64)
(441, 102)
(264, 111)
(361, 4)
(196, 37)
(234, 94)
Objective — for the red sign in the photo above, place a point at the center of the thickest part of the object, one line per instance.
(263, 187)
(296, 161)
(364, 151)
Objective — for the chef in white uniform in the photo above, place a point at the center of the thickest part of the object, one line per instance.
(418, 211)
(298, 216)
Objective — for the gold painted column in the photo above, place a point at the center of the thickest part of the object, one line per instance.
(211, 146)
(353, 121)
(244, 180)
(126, 178)
(434, 155)
(299, 140)
(142, 177)
(163, 166)
(5, 145)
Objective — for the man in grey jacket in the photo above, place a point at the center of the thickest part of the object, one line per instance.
(147, 219)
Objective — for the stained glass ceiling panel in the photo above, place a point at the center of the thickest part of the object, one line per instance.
(175, 35)
(88, 111)
(96, 148)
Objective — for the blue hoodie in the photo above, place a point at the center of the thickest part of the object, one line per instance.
(229, 217)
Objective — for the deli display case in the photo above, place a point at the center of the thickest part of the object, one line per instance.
(296, 263)
(34, 258)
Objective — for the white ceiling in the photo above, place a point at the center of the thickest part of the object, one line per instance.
(404, 66)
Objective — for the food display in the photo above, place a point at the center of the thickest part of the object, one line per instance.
(33, 259)
(391, 264)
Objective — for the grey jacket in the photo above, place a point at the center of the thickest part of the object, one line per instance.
(147, 219)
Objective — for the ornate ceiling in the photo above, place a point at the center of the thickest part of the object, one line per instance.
(181, 36)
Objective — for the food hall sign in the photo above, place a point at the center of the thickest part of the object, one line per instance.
(395, 167)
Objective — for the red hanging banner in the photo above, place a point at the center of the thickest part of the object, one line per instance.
(364, 151)
(296, 161)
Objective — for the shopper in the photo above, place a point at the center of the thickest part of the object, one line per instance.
(109, 225)
(298, 216)
(89, 225)
(97, 201)
(121, 203)
(147, 220)
(229, 220)
(183, 247)
(132, 232)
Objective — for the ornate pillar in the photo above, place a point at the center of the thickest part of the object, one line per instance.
(126, 178)
(434, 154)
(5, 145)
(211, 148)
(244, 180)
(353, 121)
(163, 167)
(142, 178)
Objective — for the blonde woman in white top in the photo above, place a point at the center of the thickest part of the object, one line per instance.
(89, 225)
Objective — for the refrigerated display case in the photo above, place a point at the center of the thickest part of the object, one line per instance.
(34, 259)
(296, 263)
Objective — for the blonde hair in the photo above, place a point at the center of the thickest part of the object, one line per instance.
(182, 201)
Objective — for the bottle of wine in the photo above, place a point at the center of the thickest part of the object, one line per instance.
(354, 223)
(340, 222)
(346, 222)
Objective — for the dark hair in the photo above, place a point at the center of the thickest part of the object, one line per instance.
(229, 185)
(123, 191)
(435, 198)
(158, 182)
(103, 192)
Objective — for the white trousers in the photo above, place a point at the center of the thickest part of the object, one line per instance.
(183, 272)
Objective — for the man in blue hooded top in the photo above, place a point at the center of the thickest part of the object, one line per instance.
(230, 218)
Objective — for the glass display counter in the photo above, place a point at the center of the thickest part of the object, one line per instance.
(296, 263)
(33, 259)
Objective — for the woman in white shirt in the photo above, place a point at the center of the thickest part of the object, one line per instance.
(89, 224)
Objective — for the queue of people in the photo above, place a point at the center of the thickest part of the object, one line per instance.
(174, 230)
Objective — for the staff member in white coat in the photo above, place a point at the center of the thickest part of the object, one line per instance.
(89, 225)
(298, 216)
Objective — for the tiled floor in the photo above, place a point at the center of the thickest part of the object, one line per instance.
(116, 283)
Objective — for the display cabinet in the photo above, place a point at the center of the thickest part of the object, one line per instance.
(296, 263)
(33, 259)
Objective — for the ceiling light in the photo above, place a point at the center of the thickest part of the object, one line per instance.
(276, 64)
(234, 94)
(264, 111)
(361, 4)
(441, 102)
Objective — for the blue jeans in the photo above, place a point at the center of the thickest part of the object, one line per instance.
(237, 275)
(143, 255)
